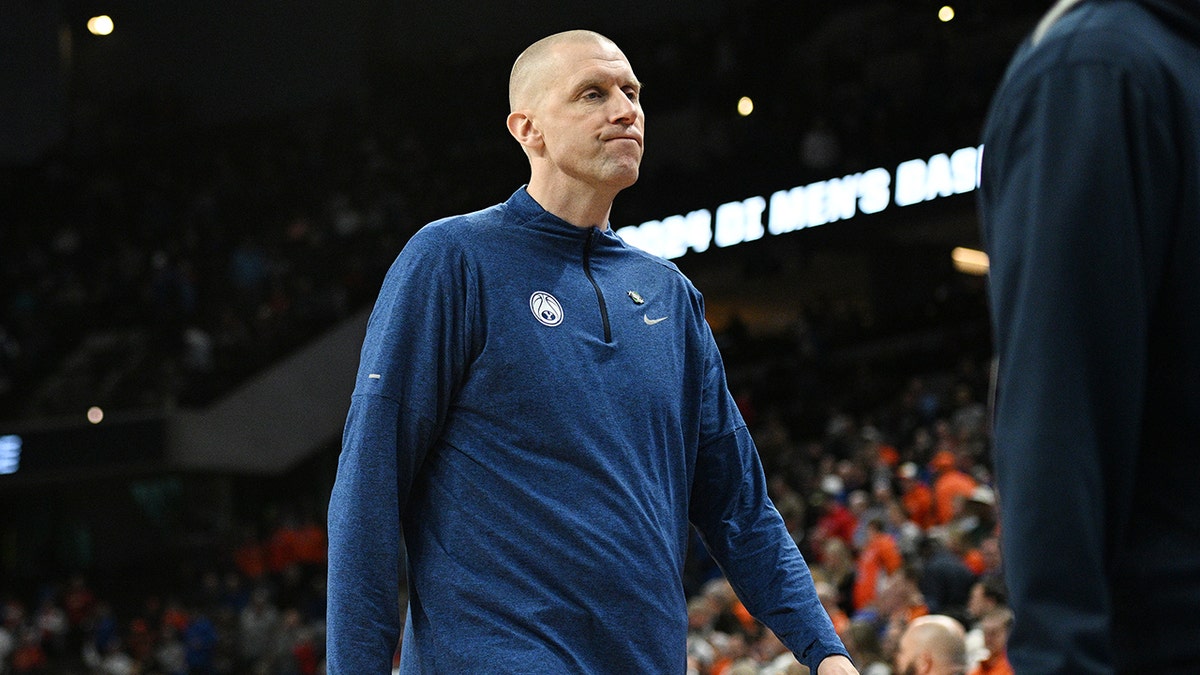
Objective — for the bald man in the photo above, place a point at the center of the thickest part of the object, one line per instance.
(541, 410)
(934, 644)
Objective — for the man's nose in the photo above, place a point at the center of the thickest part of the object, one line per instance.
(624, 110)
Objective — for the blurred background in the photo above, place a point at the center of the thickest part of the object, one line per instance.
(198, 202)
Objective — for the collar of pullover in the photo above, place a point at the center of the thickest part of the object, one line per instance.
(529, 213)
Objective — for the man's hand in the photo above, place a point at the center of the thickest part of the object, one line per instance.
(836, 665)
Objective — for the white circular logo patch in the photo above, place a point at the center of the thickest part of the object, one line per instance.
(546, 308)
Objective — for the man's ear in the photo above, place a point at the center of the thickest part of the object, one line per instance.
(522, 128)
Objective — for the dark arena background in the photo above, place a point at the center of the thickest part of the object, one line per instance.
(197, 209)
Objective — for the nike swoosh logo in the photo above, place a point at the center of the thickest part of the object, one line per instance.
(651, 322)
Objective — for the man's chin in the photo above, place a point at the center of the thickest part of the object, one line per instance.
(620, 180)
(628, 176)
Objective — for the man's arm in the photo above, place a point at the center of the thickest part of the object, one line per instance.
(413, 358)
(747, 537)
(363, 615)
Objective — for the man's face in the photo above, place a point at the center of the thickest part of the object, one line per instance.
(995, 635)
(590, 116)
(977, 601)
(990, 549)
(906, 655)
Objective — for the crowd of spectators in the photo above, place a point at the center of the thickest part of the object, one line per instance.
(895, 513)
(257, 607)
(890, 504)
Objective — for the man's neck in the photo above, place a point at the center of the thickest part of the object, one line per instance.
(580, 207)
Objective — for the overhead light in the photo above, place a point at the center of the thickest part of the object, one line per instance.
(946, 14)
(100, 25)
(745, 106)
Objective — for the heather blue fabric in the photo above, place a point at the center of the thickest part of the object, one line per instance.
(544, 476)
(1090, 201)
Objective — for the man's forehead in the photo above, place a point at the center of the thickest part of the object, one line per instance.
(596, 63)
(602, 71)
(592, 54)
(567, 60)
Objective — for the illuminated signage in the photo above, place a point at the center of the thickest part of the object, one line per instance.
(10, 453)
(819, 203)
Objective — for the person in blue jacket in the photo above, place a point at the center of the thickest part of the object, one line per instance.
(540, 412)
(1090, 209)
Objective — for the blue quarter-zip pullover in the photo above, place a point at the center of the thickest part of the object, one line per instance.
(541, 410)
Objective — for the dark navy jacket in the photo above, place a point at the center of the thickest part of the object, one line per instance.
(542, 411)
(1090, 207)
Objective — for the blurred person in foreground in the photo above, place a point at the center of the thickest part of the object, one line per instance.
(541, 410)
(932, 645)
(1090, 210)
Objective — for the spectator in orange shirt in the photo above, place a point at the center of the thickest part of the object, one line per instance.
(951, 488)
(284, 545)
(310, 543)
(250, 557)
(879, 558)
(916, 496)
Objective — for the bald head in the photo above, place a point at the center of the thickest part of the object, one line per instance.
(529, 72)
(577, 114)
(932, 644)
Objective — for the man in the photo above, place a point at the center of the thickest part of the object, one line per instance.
(1090, 206)
(931, 645)
(987, 595)
(952, 487)
(996, 626)
(916, 495)
(878, 559)
(946, 579)
(541, 410)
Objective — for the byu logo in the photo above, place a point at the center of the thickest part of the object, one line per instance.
(546, 308)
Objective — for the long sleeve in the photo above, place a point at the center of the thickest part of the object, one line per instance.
(740, 526)
(413, 358)
(1072, 176)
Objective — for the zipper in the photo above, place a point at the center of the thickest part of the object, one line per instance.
(587, 271)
